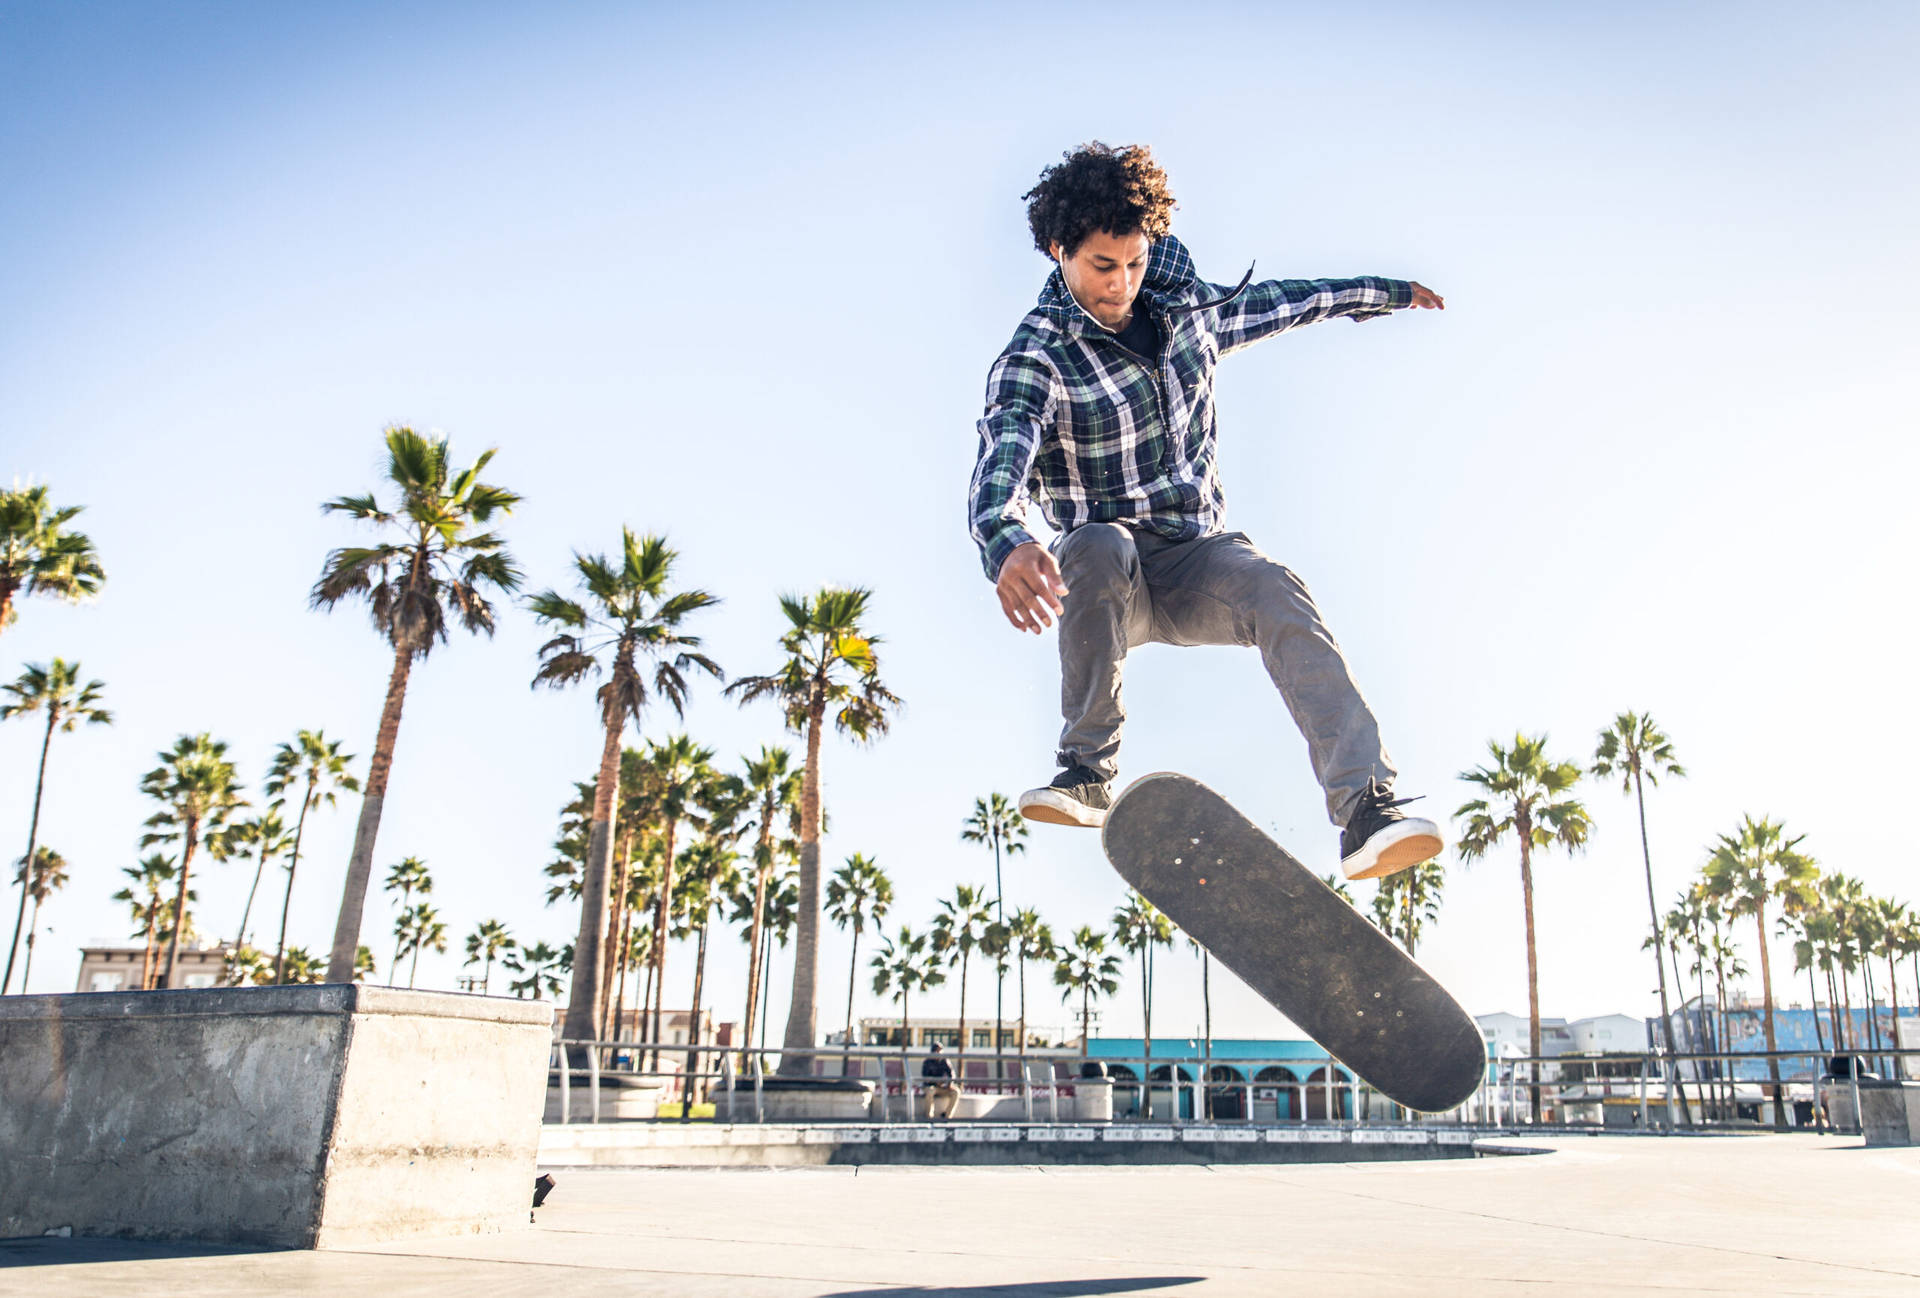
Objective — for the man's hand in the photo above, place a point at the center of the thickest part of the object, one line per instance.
(1030, 588)
(1426, 298)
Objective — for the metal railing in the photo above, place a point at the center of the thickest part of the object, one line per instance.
(1647, 1092)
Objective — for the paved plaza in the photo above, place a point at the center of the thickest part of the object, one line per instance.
(1621, 1215)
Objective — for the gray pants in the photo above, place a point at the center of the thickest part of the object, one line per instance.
(1128, 588)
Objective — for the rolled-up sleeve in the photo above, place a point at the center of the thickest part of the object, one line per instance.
(1021, 393)
(1276, 305)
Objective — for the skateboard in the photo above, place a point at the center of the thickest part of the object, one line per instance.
(1291, 938)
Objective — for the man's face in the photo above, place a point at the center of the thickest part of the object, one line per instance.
(1104, 273)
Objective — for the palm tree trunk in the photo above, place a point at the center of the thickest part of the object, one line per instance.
(413, 969)
(1723, 1034)
(1146, 1014)
(33, 927)
(611, 961)
(1846, 1012)
(400, 941)
(763, 866)
(33, 835)
(1893, 996)
(1206, 1027)
(853, 977)
(188, 843)
(1659, 967)
(802, 1029)
(626, 961)
(766, 989)
(587, 999)
(1766, 1004)
(693, 1028)
(963, 1001)
(246, 912)
(660, 941)
(146, 952)
(999, 968)
(1533, 972)
(1084, 1010)
(1023, 1014)
(353, 902)
(1813, 1005)
(286, 904)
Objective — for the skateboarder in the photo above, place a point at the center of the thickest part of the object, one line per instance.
(1101, 409)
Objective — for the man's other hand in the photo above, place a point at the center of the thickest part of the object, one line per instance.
(1427, 299)
(1030, 588)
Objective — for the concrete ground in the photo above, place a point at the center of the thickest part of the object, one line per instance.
(1622, 1215)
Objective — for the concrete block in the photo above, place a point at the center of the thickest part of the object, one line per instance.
(1890, 1113)
(301, 1117)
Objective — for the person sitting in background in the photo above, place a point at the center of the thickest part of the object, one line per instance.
(942, 1094)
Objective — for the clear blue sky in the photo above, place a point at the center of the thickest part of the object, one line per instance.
(735, 273)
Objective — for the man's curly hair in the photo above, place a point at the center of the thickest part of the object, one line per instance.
(1119, 191)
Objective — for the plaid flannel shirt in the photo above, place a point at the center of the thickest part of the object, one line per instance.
(1078, 422)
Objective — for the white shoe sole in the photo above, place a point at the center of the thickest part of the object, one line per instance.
(1051, 807)
(1400, 846)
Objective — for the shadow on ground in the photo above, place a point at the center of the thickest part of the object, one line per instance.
(55, 1250)
(1038, 1289)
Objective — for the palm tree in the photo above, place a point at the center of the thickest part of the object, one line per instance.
(1086, 966)
(1812, 930)
(1405, 903)
(363, 969)
(901, 967)
(39, 555)
(775, 790)
(152, 876)
(775, 918)
(1138, 927)
(46, 876)
(436, 560)
(300, 968)
(682, 776)
(1754, 863)
(310, 761)
(712, 874)
(1636, 750)
(56, 690)
(859, 891)
(957, 929)
(486, 944)
(419, 926)
(198, 791)
(406, 877)
(1525, 798)
(263, 837)
(248, 964)
(999, 824)
(1031, 939)
(538, 963)
(831, 667)
(628, 615)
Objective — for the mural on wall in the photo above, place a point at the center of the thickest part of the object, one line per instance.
(1701, 1029)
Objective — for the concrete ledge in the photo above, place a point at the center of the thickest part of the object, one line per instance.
(287, 1116)
(709, 1144)
(1890, 1113)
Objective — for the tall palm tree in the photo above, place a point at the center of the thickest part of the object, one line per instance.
(858, 891)
(1893, 932)
(322, 771)
(419, 927)
(149, 906)
(199, 792)
(712, 874)
(56, 690)
(39, 555)
(46, 875)
(405, 877)
(1031, 939)
(538, 963)
(901, 967)
(997, 823)
(627, 621)
(957, 929)
(1525, 796)
(262, 837)
(831, 667)
(435, 558)
(774, 790)
(775, 919)
(637, 863)
(1747, 868)
(683, 779)
(1085, 965)
(1638, 752)
(1812, 931)
(1138, 927)
(487, 943)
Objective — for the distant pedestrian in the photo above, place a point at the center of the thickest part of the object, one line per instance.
(942, 1094)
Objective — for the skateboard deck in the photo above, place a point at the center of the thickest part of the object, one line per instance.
(1292, 939)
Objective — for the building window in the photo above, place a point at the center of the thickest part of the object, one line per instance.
(983, 1037)
(106, 982)
(200, 980)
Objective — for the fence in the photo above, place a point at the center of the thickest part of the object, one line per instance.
(1647, 1092)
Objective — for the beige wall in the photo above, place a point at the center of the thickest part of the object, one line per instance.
(117, 969)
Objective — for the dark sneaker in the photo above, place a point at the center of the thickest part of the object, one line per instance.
(1077, 796)
(1380, 839)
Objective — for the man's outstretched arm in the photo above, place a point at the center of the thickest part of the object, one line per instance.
(1275, 305)
(1020, 397)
